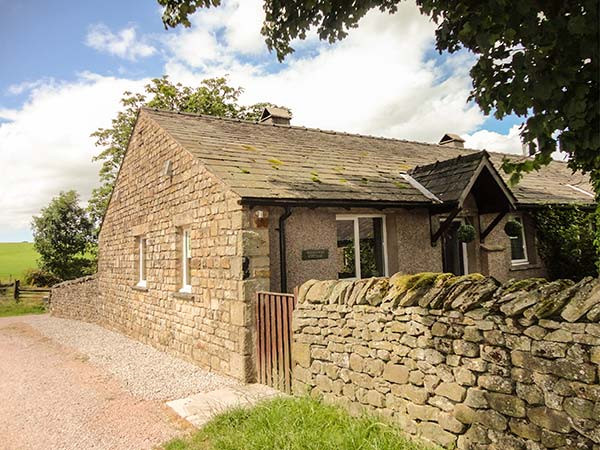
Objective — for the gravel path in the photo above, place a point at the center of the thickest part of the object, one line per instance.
(144, 371)
(70, 385)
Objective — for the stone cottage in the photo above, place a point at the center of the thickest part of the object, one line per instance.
(208, 211)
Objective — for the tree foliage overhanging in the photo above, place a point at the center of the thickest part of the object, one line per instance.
(538, 60)
(213, 97)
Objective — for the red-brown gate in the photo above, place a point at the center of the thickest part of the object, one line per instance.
(274, 339)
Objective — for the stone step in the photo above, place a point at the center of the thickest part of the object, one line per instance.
(200, 408)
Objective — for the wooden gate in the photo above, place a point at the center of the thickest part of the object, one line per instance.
(274, 339)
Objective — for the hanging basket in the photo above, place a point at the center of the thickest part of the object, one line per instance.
(513, 228)
(465, 233)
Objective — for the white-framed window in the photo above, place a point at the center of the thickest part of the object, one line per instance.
(518, 246)
(361, 246)
(141, 261)
(186, 262)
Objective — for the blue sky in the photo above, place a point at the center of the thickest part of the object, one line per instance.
(66, 64)
(40, 39)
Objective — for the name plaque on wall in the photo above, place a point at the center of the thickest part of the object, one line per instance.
(317, 253)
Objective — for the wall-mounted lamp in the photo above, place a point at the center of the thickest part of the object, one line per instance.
(261, 218)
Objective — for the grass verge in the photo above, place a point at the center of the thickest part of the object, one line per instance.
(294, 424)
(12, 308)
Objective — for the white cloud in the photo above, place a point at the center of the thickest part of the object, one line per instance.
(19, 88)
(218, 35)
(46, 147)
(495, 142)
(124, 44)
(377, 81)
(244, 21)
(503, 143)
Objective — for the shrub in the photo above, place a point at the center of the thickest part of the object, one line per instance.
(565, 237)
(40, 278)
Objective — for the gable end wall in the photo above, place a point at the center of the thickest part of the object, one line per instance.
(209, 328)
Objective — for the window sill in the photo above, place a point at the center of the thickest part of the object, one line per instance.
(183, 295)
(524, 266)
(139, 288)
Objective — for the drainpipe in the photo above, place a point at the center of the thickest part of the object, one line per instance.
(282, 248)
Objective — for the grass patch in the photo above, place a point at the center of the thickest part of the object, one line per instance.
(15, 259)
(11, 308)
(294, 424)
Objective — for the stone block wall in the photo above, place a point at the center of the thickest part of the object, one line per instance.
(76, 299)
(211, 326)
(457, 360)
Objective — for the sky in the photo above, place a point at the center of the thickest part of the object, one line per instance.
(66, 64)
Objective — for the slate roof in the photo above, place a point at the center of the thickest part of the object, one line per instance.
(449, 178)
(278, 162)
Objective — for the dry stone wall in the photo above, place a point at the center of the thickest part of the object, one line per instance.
(457, 360)
(76, 299)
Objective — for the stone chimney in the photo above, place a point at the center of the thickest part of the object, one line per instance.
(452, 140)
(274, 115)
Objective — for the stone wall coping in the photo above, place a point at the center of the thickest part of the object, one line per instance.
(79, 280)
(531, 299)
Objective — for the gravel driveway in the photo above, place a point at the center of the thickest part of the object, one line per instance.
(66, 384)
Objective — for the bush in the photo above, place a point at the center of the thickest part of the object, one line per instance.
(565, 237)
(40, 278)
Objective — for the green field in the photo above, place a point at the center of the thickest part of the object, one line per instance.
(15, 258)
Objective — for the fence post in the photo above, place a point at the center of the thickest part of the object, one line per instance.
(17, 284)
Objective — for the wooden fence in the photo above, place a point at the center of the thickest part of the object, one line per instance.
(23, 292)
(274, 339)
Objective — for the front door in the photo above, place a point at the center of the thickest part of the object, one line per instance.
(454, 251)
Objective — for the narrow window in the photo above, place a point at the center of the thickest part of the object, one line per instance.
(518, 246)
(141, 262)
(346, 249)
(360, 246)
(186, 262)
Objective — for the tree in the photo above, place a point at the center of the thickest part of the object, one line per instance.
(61, 235)
(213, 97)
(538, 60)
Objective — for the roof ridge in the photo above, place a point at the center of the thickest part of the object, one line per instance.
(476, 155)
(341, 133)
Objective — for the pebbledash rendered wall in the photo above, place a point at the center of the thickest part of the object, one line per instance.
(457, 360)
(213, 325)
